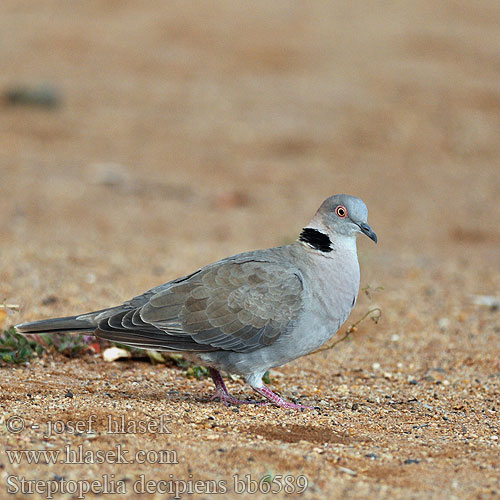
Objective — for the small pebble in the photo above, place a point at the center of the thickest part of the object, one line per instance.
(443, 324)
(51, 299)
(348, 471)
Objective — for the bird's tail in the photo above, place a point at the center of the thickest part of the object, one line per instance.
(73, 324)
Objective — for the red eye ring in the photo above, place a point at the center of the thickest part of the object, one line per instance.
(341, 211)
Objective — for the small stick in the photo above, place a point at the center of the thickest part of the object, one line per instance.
(14, 307)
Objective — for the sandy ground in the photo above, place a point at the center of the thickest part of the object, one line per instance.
(189, 131)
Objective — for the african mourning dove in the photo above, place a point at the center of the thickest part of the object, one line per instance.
(250, 312)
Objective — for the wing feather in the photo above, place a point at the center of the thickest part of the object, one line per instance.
(231, 305)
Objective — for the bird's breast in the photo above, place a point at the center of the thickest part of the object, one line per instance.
(333, 288)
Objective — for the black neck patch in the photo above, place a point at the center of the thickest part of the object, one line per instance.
(318, 240)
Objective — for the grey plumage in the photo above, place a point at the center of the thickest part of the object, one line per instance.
(250, 312)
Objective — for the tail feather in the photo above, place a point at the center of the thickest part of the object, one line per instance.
(57, 325)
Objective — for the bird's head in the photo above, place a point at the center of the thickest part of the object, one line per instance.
(338, 216)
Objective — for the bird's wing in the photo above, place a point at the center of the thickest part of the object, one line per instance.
(232, 305)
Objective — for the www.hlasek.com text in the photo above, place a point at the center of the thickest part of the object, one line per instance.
(75, 455)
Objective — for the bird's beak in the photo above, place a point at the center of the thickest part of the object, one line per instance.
(366, 229)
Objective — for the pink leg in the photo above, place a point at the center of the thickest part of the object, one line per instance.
(267, 393)
(223, 394)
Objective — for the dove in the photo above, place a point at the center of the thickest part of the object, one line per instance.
(247, 313)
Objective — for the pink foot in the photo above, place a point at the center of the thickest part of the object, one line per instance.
(274, 398)
(222, 394)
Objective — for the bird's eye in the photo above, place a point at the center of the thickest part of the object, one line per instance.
(341, 211)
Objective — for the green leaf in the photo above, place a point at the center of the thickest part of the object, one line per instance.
(16, 348)
(197, 371)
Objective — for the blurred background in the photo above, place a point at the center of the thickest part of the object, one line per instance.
(142, 140)
(139, 141)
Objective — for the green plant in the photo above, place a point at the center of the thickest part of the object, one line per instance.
(16, 348)
(197, 372)
(70, 345)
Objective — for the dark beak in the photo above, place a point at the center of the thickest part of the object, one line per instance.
(366, 229)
